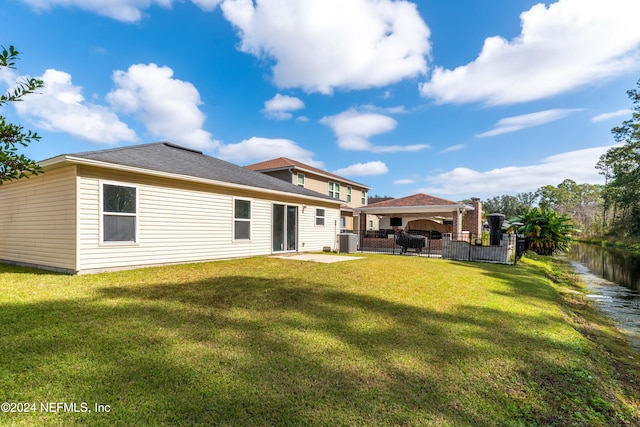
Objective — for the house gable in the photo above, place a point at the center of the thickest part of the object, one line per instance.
(38, 220)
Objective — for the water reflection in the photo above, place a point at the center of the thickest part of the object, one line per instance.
(613, 279)
(622, 268)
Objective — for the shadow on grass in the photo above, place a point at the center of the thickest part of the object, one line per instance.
(242, 350)
(520, 280)
(18, 269)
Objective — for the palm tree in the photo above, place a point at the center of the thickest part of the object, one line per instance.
(547, 231)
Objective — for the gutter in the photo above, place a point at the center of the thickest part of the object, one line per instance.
(66, 159)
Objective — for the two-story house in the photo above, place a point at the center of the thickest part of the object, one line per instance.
(352, 194)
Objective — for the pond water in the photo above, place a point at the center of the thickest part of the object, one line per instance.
(613, 279)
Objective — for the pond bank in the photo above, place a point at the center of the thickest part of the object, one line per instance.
(631, 246)
(584, 316)
(616, 302)
(612, 278)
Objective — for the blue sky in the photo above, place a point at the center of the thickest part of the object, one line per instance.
(455, 99)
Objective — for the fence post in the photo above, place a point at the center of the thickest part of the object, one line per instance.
(393, 245)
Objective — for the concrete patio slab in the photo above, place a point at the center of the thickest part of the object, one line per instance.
(326, 259)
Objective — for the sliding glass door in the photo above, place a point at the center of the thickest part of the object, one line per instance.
(285, 228)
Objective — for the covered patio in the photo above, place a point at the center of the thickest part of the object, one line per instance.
(434, 227)
(422, 213)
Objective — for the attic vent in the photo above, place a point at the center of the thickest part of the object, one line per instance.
(168, 144)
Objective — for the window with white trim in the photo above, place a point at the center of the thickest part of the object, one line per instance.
(363, 200)
(348, 194)
(319, 216)
(119, 213)
(334, 190)
(300, 180)
(241, 219)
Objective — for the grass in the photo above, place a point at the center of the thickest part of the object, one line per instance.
(386, 340)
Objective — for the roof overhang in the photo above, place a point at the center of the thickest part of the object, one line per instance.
(400, 210)
(63, 160)
(291, 168)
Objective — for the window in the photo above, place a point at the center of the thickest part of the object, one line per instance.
(334, 190)
(348, 194)
(119, 213)
(370, 224)
(343, 224)
(242, 219)
(319, 216)
(364, 198)
(300, 180)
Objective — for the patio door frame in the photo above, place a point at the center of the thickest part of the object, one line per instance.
(284, 228)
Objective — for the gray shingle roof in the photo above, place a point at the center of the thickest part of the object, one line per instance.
(171, 158)
(285, 163)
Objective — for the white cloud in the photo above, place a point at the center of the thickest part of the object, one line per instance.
(207, 5)
(399, 148)
(404, 181)
(461, 183)
(121, 10)
(8, 76)
(615, 114)
(256, 149)
(363, 169)
(168, 107)
(516, 123)
(279, 107)
(354, 128)
(400, 109)
(452, 148)
(570, 44)
(60, 107)
(323, 45)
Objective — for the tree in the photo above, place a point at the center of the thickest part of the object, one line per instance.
(548, 232)
(621, 167)
(12, 164)
(581, 202)
(510, 205)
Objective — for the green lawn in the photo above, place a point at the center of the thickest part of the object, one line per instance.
(385, 340)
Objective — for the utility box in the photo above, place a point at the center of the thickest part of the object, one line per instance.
(348, 243)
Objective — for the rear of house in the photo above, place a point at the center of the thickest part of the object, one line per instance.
(155, 204)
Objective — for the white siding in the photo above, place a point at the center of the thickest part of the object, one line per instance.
(179, 222)
(37, 220)
(314, 237)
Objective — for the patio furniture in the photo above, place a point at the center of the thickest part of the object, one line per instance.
(410, 241)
